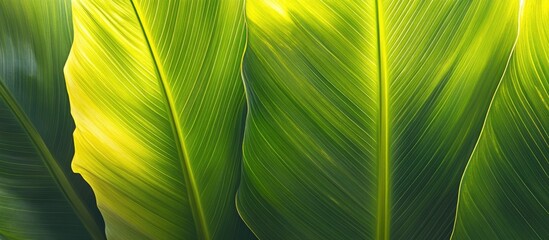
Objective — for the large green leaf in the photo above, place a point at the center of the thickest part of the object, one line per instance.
(158, 102)
(363, 114)
(40, 197)
(505, 189)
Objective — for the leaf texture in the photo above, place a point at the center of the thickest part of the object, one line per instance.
(363, 114)
(159, 106)
(504, 192)
(40, 197)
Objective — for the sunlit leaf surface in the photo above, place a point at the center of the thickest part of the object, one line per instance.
(158, 102)
(505, 189)
(325, 119)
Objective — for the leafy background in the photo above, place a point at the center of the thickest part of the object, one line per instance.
(274, 119)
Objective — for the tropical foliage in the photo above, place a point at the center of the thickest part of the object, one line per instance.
(274, 119)
(40, 196)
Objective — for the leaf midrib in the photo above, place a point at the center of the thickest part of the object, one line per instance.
(383, 214)
(51, 164)
(192, 190)
(383, 208)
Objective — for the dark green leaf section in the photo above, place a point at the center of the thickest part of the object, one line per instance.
(505, 189)
(40, 197)
(444, 64)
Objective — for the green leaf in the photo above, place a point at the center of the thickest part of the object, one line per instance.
(40, 197)
(363, 115)
(504, 192)
(159, 106)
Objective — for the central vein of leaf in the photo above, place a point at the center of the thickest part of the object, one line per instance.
(383, 208)
(192, 191)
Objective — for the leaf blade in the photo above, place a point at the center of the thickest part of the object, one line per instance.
(314, 138)
(175, 66)
(503, 191)
(41, 197)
